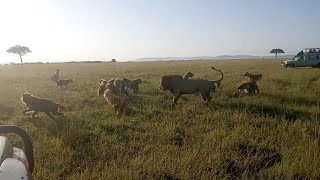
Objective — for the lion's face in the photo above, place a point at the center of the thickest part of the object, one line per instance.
(135, 85)
(138, 81)
(25, 97)
(107, 93)
(135, 88)
(241, 87)
(102, 87)
(118, 83)
(190, 74)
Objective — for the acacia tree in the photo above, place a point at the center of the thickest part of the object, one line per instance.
(20, 50)
(276, 51)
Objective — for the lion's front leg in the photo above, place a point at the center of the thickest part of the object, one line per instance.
(176, 96)
(51, 116)
(25, 112)
(34, 114)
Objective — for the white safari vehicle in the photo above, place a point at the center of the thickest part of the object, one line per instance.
(14, 162)
(304, 58)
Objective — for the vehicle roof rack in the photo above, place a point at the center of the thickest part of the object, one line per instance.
(310, 48)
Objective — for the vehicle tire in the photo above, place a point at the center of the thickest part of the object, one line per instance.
(316, 66)
(291, 65)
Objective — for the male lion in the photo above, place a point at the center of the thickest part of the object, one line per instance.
(186, 75)
(178, 86)
(37, 104)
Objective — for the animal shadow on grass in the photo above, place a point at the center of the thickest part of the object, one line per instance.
(239, 95)
(167, 105)
(285, 83)
(157, 175)
(52, 125)
(227, 168)
(281, 83)
(84, 137)
(134, 111)
(235, 95)
(6, 112)
(123, 132)
(134, 99)
(83, 143)
(177, 138)
(251, 159)
(149, 114)
(313, 79)
(135, 102)
(129, 111)
(295, 100)
(87, 145)
(270, 111)
(255, 158)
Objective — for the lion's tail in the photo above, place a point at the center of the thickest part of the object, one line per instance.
(220, 72)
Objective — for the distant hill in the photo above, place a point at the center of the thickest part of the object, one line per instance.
(222, 57)
(173, 58)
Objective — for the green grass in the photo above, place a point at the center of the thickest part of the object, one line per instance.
(273, 135)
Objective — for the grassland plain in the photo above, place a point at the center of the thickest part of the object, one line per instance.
(275, 135)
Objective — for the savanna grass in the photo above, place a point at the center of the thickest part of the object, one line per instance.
(273, 135)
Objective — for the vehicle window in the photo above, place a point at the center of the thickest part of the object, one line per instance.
(317, 56)
(301, 58)
(310, 57)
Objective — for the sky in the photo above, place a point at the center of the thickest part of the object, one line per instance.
(76, 30)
